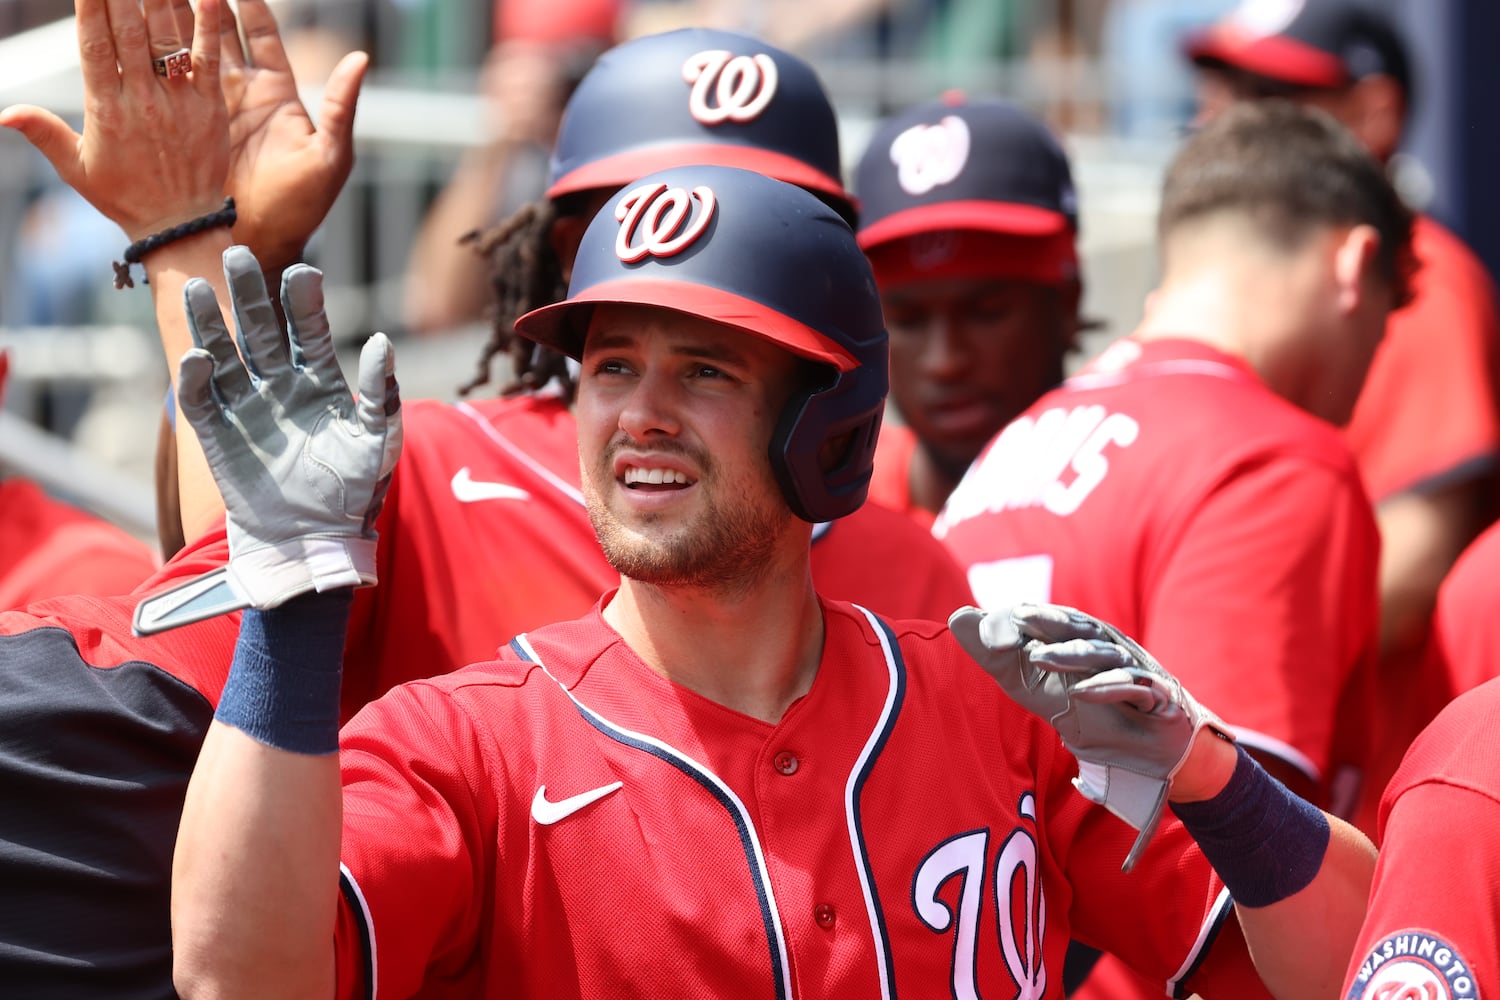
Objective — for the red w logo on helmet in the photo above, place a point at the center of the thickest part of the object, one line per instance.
(659, 212)
(743, 85)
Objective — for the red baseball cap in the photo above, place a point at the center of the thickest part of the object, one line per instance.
(1318, 44)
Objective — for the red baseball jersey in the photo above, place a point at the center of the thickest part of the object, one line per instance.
(484, 535)
(565, 822)
(891, 485)
(1428, 411)
(99, 732)
(1168, 491)
(48, 548)
(1464, 651)
(1433, 927)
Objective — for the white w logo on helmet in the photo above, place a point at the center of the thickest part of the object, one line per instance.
(929, 155)
(660, 212)
(743, 85)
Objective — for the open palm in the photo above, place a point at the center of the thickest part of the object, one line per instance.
(284, 170)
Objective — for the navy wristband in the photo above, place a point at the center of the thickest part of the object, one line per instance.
(1264, 842)
(283, 686)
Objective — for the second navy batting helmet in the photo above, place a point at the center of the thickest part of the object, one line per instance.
(749, 252)
(698, 96)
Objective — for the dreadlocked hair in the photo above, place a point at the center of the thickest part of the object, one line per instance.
(525, 274)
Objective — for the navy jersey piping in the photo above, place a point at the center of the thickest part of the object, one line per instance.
(774, 939)
(897, 667)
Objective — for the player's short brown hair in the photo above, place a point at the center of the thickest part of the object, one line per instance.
(1292, 170)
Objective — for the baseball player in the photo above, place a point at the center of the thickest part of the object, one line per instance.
(969, 217)
(1433, 928)
(49, 548)
(716, 782)
(1426, 431)
(101, 730)
(1190, 484)
(493, 483)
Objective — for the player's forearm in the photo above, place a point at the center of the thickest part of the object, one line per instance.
(445, 281)
(1421, 536)
(1301, 945)
(255, 877)
(255, 874)
(169, 269)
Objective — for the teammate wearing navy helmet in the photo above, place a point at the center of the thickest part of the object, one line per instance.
(970, 220)
(719, 783)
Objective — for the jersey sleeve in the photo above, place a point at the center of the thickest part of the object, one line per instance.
(1426, 417)
(1265, 604)
(415, 852)
(1433, 926)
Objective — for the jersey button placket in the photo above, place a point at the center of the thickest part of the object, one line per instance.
(824, 914)
(786, 763)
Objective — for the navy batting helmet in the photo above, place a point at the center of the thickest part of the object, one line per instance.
(769, 259)
(698, 96)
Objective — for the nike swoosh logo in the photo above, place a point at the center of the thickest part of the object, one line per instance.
(468, 490)
(546, 812)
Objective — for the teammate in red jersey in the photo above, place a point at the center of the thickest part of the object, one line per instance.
(49, 548)
(1426, 430)
(970, 220)
(717, 782)
(1201, 451)
(1433, 928)
(1190, 484)
(651, 103)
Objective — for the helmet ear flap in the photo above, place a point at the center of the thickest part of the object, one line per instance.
(823, 449)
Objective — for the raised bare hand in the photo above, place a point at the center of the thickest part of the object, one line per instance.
(284, 171)
(154, 149)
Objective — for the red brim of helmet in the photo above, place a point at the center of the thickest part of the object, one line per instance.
(563, 325)
(613, 172)
(1275, 57)
(1008, 218)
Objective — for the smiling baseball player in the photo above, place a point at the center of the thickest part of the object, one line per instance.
(694, 789)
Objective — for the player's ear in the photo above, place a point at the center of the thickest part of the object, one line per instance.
(1355, 260)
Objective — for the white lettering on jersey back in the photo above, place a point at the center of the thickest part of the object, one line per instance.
(1054, 461)
(927, 156)
(742, 85)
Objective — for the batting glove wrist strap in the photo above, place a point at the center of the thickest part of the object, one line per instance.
(1128, 722)
(303, 466)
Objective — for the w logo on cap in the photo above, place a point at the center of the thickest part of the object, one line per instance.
(742, 85)
(659, 212)
(927, 156)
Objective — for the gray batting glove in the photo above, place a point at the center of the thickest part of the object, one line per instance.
(302, 465)
(1129, 723)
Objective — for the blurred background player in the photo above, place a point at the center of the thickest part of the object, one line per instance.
(541, 52)
(970, 219)
(493, 485)
(1426, 431)
(48, 547)
(1190, 483)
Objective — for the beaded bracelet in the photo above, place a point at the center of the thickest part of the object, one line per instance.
(133, 253)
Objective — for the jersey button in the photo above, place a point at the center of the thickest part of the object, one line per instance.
(824, 915)
(785, 762)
